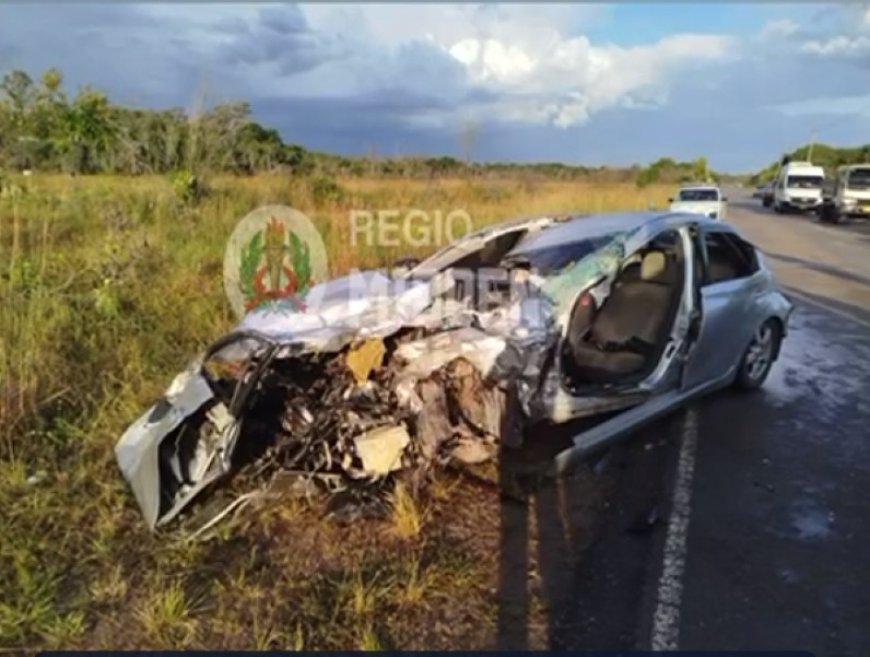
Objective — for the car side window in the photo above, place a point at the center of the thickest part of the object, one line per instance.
(728, 258)
(492, 252)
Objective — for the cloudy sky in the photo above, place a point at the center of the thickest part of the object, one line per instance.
(588, 83)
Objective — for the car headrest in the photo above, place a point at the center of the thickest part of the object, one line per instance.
(653, 266)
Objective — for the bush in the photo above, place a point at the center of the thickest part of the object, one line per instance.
(188, 186)
(325, 190)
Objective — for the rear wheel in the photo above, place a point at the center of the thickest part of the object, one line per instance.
(829, 214)
(759, 356)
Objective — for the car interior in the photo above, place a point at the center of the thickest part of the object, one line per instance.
(623, 340)
(471, 282)
(728, 258)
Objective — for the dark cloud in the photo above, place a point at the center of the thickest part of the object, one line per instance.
(281, 37)
(132, 55)
(231, 25)
(284, 19)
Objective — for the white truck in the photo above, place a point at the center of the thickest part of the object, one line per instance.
(798, 186)
(848, 195)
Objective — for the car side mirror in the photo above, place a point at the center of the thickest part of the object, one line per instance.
(670, 200)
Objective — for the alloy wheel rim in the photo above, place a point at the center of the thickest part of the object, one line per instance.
(760, 350)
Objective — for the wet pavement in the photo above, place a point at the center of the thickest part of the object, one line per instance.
(777, 552)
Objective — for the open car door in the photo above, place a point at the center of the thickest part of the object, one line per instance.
(727, 280)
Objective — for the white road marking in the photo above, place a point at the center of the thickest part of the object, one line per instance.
(666, 620)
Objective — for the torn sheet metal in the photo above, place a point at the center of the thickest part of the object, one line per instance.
(361, 305)
(365, 357)
(360, 413)
(137, 450)
(422, 357)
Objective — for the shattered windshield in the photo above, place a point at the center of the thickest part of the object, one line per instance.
(562, 286)
(805, 182)
(551, 260)
(699, 195)
(859, 179)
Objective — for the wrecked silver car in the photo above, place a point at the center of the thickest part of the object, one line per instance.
(534, 321)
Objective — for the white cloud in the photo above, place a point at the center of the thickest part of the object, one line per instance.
(838, 46)
(394, 24)
(488, 60)
(779, 28)
(849, 38)
(568, 82)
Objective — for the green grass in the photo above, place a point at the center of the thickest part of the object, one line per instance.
(108, 286)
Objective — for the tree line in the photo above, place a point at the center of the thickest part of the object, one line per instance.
(823, 155)
(45, 128)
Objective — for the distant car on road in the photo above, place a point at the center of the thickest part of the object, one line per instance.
(767, 194)
(798, 186)
(761, 190)
(706, 200)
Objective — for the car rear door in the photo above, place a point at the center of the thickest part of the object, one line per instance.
(729, 283)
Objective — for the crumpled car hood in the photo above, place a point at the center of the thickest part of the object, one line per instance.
(363, 304)
(346, 311)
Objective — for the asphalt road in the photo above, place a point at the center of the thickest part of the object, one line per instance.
(740, 522)
(777, 554)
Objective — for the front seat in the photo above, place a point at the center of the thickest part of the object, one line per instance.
(624, 334)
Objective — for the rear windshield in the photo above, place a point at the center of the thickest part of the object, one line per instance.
(859, 178)
(805, 182)
(550, 260)
(699, 195)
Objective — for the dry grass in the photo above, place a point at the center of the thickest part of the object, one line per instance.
(107, 287)
(408, 517)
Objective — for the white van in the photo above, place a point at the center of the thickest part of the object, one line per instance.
(798, 186)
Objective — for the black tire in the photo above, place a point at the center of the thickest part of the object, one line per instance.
(829, 214)
(759, 356)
